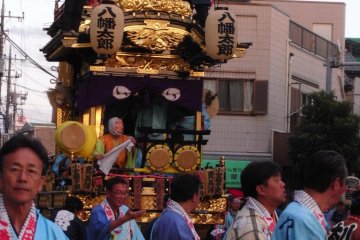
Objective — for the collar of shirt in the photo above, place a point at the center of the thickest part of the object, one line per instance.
(303, 198)
(308, 202)
(252, 203)
(261, 211)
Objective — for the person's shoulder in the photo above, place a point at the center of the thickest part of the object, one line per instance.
(295, 209)
(97, 208)
(242, 221)
(46, 228)
(107, 135)
(170, 217)
(297, 214)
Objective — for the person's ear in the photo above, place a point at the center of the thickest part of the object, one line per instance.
(195, 196)
(338, 183)
(260, 189)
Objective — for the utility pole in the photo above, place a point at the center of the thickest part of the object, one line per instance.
(2, 61)
(6, 117)
(14, 101)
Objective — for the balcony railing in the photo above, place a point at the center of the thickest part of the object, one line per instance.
(312, 42)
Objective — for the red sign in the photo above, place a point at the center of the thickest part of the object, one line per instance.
(21, 119)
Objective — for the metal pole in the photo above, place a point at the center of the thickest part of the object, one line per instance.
(329, 66)
(6, 118)
(2, 61)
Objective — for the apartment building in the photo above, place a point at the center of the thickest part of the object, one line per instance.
(261, 94)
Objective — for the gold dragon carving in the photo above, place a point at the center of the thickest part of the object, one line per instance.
(182, 8)
(156, 36)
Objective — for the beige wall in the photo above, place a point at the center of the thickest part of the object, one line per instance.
(267, 27)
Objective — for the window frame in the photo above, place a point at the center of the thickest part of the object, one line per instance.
(228, 81)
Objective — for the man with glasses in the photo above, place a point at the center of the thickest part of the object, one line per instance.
(111, 219)
(23, 164)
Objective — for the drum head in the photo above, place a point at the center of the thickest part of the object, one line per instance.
(159, 157)
(73, 137)
(187, 158)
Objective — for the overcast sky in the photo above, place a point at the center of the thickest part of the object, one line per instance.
(28, 34)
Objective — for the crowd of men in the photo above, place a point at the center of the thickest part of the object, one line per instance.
(23, 163)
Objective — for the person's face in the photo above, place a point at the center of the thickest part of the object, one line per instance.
(118, 196)
(119, 126)
(21, 177)
(273, 191)
(235, 204)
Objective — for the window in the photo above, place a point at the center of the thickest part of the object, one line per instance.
(235, 96)
(305, 99)
(324, 30)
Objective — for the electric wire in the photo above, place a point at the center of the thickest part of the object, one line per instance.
(27, 57)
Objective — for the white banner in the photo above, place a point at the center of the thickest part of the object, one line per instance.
(110, 158)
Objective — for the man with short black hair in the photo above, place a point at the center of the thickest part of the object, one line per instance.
(175, 222)
(23, 164)
(264, 191)
(112, 219)
(324, 182)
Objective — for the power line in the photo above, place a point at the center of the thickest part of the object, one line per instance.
(34, 80)
(26, 55)
(33, 90)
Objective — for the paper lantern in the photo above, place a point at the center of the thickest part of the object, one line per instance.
(106, 28)
(221, 33)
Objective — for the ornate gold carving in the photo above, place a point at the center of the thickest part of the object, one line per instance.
(156, 36)
(142, 63)
(213, 205)
(182, 8)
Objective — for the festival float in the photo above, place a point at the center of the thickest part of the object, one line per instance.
(142, 61)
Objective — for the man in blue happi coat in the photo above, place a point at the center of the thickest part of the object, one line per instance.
(324, 182)
(175, 222)
(112, 219)
(23, 164)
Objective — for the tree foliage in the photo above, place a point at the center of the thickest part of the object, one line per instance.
(327, 124)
